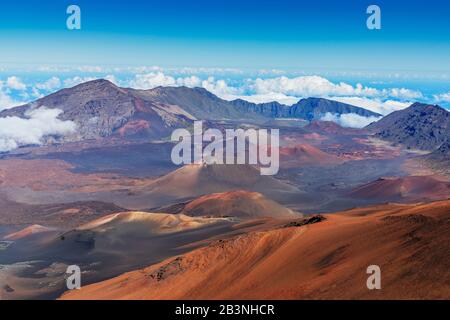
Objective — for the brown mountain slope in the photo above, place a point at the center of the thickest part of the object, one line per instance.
(101, 109)
(195, 180)
(241, 204)
(326, 260)
(59, 215)
(420, 126)
(439, 160)
(305, 155)
(146, 222)
(331, 128)
(103, 248)
(198, 102)
(28, 231)
(412, 188)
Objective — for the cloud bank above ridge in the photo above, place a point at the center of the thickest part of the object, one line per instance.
(40, 122)
(229, 84)
(349, 120)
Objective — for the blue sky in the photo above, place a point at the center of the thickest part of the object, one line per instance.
(252, 34)
(295, 48)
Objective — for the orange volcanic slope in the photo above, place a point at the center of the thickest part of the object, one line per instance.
(203, 178)
(325, 260)
(305, 154)
(195, 180)
(413, 188)
(28, 231)
(241, 204)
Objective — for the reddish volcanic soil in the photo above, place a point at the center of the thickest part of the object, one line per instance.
(324, 260)
(57, 175)
(329, 127)
(413, 188)
(196, 180)
(63, 215)
(134, 127)
(241, 204)
(28, 231)
(305, 155)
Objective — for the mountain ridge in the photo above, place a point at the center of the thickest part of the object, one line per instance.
(101, 109)
(420, 126)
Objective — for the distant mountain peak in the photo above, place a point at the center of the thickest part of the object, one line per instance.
(420, 126)
(419, 106)
(315, 99)
(96, 83)
(101, 109)
(315, 108)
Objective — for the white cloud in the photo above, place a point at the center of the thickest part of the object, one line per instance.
(112, 79)
(71, 82)
(192, 81)
(74, 81)
(402, 93)
(269, 97)
(6, 101)
(289, 90)
(151, 80)
(41, 122)
(286, 90)
(49, 85)
(350, 120)
(283, 89)
(316, 86)
(155, 79)
(309, 86)
(220, 88)
(375, 105)
(15, 83)
(36, 93)
(443, 97)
